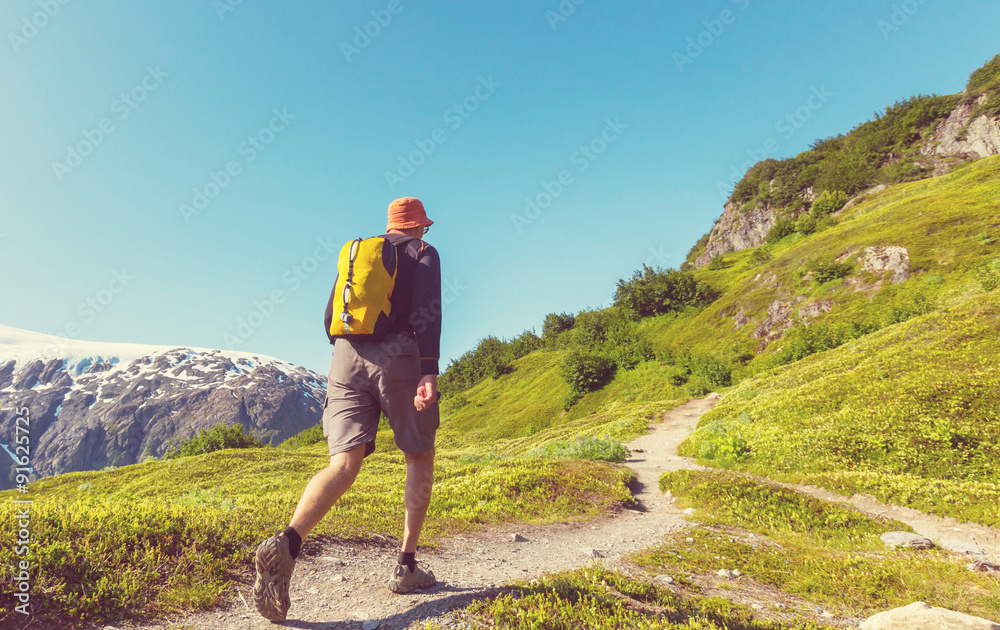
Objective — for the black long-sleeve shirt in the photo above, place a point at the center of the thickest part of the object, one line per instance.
(416, 298)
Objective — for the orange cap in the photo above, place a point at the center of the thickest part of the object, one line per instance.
(406, 213)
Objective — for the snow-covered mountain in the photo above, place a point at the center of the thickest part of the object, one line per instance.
(94, 405)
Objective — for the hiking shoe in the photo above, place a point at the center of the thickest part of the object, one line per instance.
(274, 564)
(403, 580)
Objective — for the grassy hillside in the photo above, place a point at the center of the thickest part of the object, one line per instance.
(948, 225)
(910, 414)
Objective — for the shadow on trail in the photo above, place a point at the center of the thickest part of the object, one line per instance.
(421, 611)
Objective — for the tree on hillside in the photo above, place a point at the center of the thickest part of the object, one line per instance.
(656, 292)
(556, 323)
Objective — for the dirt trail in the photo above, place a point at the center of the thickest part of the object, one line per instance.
(344, 587)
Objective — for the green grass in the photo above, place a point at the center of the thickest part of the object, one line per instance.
(908, 414)
(737, 500)
(826, 553)
(596, 597)
(595, 449)
(168, 535)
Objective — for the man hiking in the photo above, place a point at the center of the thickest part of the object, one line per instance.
(397, 376)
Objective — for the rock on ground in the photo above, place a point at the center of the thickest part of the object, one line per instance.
(919, 615)
(906, 539)
(962, 548)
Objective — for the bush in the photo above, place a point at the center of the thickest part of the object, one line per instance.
(491, 358)
(988, 275)
(698, 388)
(985, 76)
(849, 163)
(806, 224)
(629, 349)
(213, 439)
(760, 256)
(585, 372)
(712, 369)
(656, 292)
(556, 323)
(312, 435)
(593, 327)
(716, 263)
(827, 270)
(784, 225)
(829, 202)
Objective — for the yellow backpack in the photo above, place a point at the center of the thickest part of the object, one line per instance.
(366, 276)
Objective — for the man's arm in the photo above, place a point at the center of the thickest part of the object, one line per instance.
(425, 309)
(328, 318)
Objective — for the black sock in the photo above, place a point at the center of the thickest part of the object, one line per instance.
(294, 542)
(408, 559)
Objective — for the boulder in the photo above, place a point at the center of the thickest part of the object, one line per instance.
(921, 616)
(906, 539)
(887, 258)
(962, 548)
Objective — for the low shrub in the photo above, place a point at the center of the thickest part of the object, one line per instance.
(829, 202)
(585, 372)
(760, 256)
(312, 435)
(597, 449)
(828, 270)
(213, 439)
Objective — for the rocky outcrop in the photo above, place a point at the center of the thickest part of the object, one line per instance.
(737, 230)
(100, 407)
(778, 320)
(921, 615)
(887, 259)
(961, 135)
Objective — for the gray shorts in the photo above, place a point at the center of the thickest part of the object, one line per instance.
(368, 377)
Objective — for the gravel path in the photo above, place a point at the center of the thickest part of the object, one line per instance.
(344, 587)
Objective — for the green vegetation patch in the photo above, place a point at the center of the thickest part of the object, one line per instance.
(599, 598)
(858, 584)
(765, 508)
(827, 553)
(908, 414)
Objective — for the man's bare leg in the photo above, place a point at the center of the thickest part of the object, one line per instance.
(325, 488)
(419, 482)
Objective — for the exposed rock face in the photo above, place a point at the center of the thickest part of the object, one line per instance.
(921, 615)
(737, 230)
(879, 260)
(962, 136)
(98, 405)
(779, 319)
(816, 309)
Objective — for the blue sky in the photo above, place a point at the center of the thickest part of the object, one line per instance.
(275, 125)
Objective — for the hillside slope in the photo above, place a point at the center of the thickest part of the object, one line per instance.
(909, 414)
(913, 139)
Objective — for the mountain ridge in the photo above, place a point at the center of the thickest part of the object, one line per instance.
(99, 404)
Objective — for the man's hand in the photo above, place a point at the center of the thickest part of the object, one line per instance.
(427, 393)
